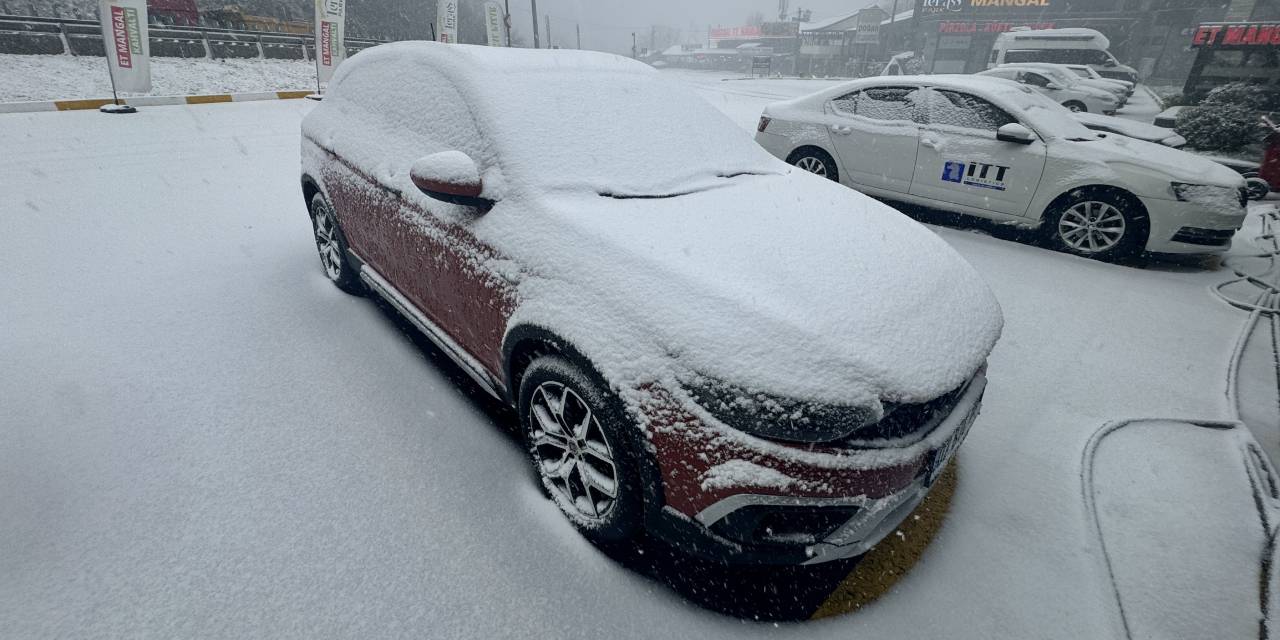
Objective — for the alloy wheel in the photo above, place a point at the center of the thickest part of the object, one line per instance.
(813, 165)
(1092, 227)
(327, 241)
(573, 455)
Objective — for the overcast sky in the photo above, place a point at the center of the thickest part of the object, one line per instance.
(607, 24)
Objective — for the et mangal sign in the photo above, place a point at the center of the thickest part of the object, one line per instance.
(125, 35)
(326, 43)
(1259, 34)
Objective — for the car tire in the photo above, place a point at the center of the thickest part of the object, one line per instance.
(583, 445)
(1257, 187)
(1076, 106)
(1097, 223)
(815, 161)
(331, 244)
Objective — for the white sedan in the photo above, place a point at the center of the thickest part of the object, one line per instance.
(991, 148)
(1065, 91)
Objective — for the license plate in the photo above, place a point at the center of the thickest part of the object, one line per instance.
(943, 454)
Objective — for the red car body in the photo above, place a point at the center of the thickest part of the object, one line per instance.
(838, 499)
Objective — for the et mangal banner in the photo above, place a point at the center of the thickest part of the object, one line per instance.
(124, 32)
(447, 21)
(331, 47)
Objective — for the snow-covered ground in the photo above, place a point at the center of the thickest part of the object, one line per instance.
(68, 77)
(200, 436)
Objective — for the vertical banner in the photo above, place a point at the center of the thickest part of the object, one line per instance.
(493, 23)
(124, 32)
(447, 21)
(331, 48)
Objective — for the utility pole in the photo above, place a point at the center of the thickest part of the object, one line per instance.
(578, 28)
(536, 44)
(550, 43)
(633, 44)
(506, 19)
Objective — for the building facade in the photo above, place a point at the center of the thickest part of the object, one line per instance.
(1152, 36)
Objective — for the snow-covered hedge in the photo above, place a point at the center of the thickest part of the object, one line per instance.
(1227, 119)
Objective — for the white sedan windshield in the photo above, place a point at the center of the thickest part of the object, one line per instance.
(1047, 117)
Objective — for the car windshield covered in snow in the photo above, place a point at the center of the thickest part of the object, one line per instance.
(1044, 115)
(633, 134)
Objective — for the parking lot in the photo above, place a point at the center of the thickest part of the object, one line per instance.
(204, 437)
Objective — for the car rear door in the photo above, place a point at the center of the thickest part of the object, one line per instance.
(960, 161)
(876, 132)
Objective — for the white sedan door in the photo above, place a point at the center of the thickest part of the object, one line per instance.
(960, 161)
(876, 132)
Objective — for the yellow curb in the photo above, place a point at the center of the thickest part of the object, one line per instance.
(891, 560)
(292, 95)
(224, 97)
(71, 105)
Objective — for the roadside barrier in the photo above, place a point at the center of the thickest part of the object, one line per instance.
(148, 101)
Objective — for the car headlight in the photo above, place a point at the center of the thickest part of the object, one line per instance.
(776, 417)
(1209, 196)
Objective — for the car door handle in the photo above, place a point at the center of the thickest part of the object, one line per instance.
(844, 131)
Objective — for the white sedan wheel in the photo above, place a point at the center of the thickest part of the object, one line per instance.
(1092, 227)
(813, 164)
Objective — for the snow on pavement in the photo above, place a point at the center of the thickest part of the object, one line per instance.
(203, 436)
(61, 77)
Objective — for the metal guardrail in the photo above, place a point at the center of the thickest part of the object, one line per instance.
(36, 35)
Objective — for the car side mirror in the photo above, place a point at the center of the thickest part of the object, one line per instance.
(1053, 86)
(450, 176)
(1015, 133)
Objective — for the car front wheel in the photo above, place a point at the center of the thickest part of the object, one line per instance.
(331, 243)
(584, 456)
(1097, 223)
(1076, 107)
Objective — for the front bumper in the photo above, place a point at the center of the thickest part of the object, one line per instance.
(1189, 228)
(837, 504)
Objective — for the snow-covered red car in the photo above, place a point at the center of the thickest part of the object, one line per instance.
(700, 341)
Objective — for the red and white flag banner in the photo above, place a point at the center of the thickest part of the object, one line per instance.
(331, 48)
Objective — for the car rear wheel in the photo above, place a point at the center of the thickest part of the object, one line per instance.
(815, 161)
(582, 450)
(1097, 223)
(1076, 107)
(331, 243)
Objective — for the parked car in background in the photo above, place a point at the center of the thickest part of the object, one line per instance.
(1066, 92)
(690, 331)
(1060, 46)
(1064, 75)
(1086, 72)
(988, 147)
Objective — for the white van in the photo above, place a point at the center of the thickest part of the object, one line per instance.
(1060, 46)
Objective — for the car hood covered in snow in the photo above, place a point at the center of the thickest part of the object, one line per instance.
(787, 284)
(1157, 160)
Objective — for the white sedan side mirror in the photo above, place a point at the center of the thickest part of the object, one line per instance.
(1015, 133)
(450, 176)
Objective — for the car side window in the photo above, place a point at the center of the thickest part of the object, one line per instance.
(1033, 79)
(846, 104)
(958, 109)
(890, 104)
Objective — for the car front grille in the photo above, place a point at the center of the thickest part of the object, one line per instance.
(908, 421)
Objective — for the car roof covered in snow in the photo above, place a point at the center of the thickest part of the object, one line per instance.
(1044, 115)
(536, 118)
